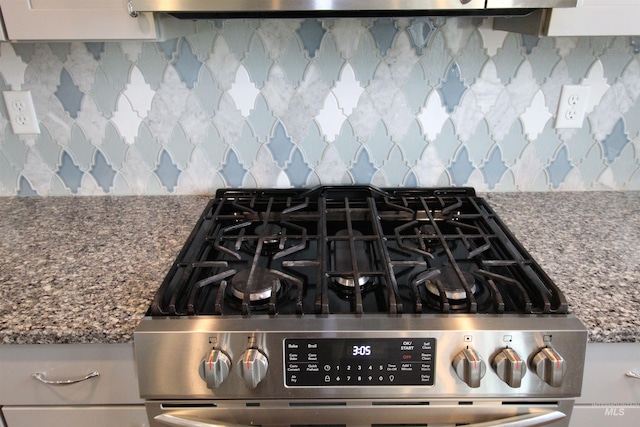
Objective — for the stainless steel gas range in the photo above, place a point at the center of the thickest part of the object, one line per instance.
(357, 306)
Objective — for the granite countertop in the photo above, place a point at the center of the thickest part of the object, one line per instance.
(84, 269)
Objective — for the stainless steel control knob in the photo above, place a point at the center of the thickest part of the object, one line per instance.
(252, 367)
(215, 368)
(509, 367)
(549, 366)
(470, 367)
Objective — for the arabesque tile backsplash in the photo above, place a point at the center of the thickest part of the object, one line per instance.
(298, 102)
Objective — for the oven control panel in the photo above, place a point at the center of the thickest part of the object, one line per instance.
(334, 362)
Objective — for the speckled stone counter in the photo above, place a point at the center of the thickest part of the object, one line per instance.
(84, 269)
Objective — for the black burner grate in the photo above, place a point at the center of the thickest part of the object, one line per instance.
(357, 250)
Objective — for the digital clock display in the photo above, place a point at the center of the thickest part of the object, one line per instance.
(336, 362)
(361, 350)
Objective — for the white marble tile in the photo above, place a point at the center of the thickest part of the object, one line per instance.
(243, 92)
(330, 118)
(12, 67)
(222, 63)
(277, 91)
(429, 167)
(347, 90)
(276, 35)
(347, 34)
(92, 121)
(433, 115)
(126, 120)
(535, 117)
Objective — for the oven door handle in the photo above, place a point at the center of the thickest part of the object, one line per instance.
(528, 420)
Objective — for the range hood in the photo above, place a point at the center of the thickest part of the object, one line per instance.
(260, 8)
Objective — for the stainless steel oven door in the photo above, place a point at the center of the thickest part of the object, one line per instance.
(478, 413)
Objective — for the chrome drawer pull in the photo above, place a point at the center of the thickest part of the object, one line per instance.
(635, 373)
(527, 420)
(41, 376)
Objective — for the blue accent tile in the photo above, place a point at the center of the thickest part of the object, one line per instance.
(147, 145)
(365, 60)
(544, 59)
(207, 91)
(180, 147)
(472, 59)
(616, 58)
(560, 167)
(257, 62)
(261, 119)
(280, 145)
(116, 66)
(70, 173)
(47, 148)
(69, 94)
(114, 148)
(293, 63)
(187, 64)
(298, 171)
(232, 171)
(102, 172)
(494, 168)
(8, 174)
(452, 89)
(529, 42)
(635, 42)
(508, 58)
(615, 142)
(25, 189)
(168, 48)
(14, 149)
(80, 148)
(421, 32)
(363, 170)
(461, 168)
(59, 50)
(436, 60)
(238, 34)
(152, 65)
(25, 51)
(311, 34)
(103, 94)
(384, 32)
(167, 171)
(329, 60)
(580, 59)
(411, 181)
(96, 49)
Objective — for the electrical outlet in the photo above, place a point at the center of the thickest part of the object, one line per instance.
(22, 115)
(572, 106)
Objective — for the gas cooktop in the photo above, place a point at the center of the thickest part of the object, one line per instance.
(353, 249)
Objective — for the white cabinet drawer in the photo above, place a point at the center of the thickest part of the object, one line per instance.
(74, 20)
(105, 416)
(117, 382)
(604, 416)
(605, 382)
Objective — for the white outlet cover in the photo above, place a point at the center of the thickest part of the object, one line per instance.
(572, 106)
(22, 114)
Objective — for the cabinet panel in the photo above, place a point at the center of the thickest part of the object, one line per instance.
(609, 397)
(74, 20)
(593, 18)
(116, 384)
(116, 416)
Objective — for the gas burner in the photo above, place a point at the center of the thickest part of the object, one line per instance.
(343, 259)
(272, 233)
(450, 283)
(261, 287)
